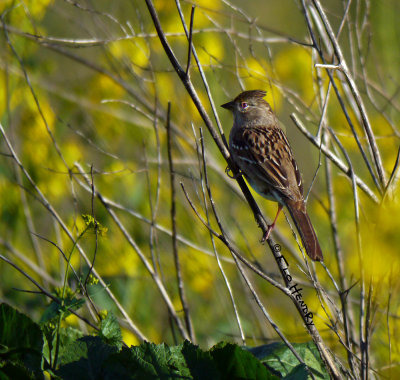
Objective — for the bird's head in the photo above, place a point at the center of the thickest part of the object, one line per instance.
(249, 106)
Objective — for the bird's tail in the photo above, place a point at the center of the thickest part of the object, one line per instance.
(306, 230)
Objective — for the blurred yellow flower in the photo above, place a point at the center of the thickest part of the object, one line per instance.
(293, 66)
(72, 320)
(129, 338)
(37, 8)
(199, 271)
(381, 244)
(210, 48)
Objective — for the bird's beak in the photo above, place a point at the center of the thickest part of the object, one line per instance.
(229, 105)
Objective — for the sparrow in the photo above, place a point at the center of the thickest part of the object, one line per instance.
(261, 150)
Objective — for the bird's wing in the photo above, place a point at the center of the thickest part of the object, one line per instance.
(267, 154)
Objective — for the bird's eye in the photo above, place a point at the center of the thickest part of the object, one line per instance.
(244, 105)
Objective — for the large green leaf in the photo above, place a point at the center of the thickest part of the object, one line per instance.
(200, 363)
(280, 359)
(21, 343)
(236, 363)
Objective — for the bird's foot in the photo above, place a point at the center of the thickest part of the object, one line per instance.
(267, 233)
(230, 174)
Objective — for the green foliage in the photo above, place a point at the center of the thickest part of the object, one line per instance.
(56, 337)
(103, 357)
(68, 335)
(92, 223)
(151, 361)
(280, 359)
(21, 344)
(54, 309)
(233, 362)
(83, 358)
(110, 331)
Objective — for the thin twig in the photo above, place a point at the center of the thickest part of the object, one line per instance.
(345, 169)
(392, 180)
(347, 317)
(363, 347)
(219, 263)
(190, 42)
(96, 229)
(34, 267)
(141, 255)
(230, 246)
(181, 289)
(45, 292)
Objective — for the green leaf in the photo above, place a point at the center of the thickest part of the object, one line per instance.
(298, 373)
(83, 359)
(3, 349)
(279, 358)
(119, 366)
(110, 331)
(200, 364)
(15, 370)
(236, 363)
(21, 342)
(50, 313)
(156, 361)
(68, 335)
(54, 309)
(151, 361)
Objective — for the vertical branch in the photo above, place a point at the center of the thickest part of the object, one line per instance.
(347, 318)
(228, 285)
(154, 208)
(367, 332)
(181, 288)
(343, 291)
(190, 41)
(96, 229)
(388, 323)
(152, 235)
(360, 258)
